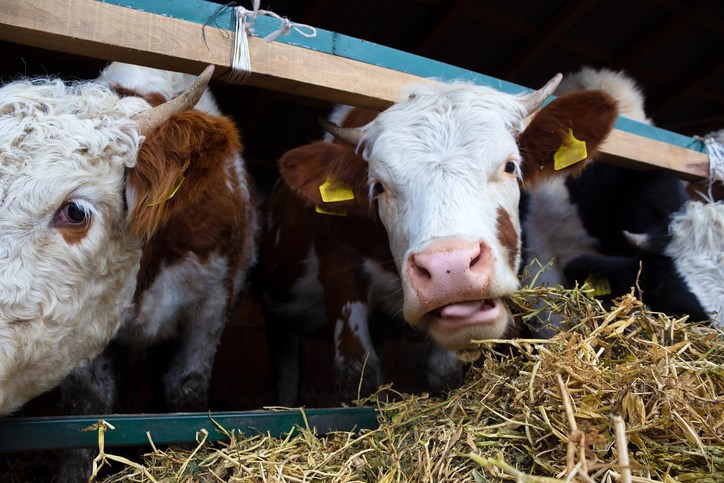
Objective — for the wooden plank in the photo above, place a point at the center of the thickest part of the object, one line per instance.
(104, 31)
(331, 66)
(632, 151)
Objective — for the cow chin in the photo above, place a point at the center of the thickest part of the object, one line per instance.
(455, 325)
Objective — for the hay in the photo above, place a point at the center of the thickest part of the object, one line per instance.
(624, 395)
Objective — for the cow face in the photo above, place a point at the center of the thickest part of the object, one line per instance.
(444, 168)
(80, 190)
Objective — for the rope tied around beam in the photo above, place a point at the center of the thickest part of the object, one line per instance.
(714, 144)
(244, 26)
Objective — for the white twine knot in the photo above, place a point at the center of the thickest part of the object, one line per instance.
(287, 26)
(714, 144)
(244, 26)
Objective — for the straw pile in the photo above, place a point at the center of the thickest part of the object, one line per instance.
(624, 395)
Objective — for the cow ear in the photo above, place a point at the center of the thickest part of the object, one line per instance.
(177, 160)
(330, 168)
(585, 116)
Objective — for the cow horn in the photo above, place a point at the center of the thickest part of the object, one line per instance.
(638, 240)
(532, 101)
(350, 135)
(149, 119)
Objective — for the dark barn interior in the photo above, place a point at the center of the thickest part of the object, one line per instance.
(674, 48)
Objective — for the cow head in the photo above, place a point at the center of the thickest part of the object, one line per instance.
(444, 168)
(85, 177)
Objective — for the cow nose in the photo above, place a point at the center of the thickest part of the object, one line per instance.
(448, 264)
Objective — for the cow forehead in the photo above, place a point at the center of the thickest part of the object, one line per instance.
(48, 128)
(461, 122)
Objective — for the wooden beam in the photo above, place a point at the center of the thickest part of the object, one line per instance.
(100, 30)
(626, 149)
(112, 32)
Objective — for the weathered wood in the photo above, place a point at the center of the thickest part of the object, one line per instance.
(106, 31)
(99, 30)
(633, 151)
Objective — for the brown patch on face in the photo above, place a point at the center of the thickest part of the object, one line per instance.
(66, 221)
(507, 236)
(590, 115)
(75, 234)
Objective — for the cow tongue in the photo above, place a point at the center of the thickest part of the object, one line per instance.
(461, 310)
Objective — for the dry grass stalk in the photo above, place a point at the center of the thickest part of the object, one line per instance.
(624, 395)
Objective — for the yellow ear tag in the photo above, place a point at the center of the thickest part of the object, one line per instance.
(325, 212)
(571, 152)
(600, 285)
(333, 191)
(183, 178)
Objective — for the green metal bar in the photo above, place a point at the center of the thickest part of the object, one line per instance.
(27, 434)
(201, 12)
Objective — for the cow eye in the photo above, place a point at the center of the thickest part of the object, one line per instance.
(71, 214)
(510, 167)
(378, 189)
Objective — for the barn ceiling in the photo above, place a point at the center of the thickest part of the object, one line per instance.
(673, 48)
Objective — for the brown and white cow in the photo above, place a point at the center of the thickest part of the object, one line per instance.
(427, 225)
(116, 219)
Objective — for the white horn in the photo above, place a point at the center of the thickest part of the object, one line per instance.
(638, 240)
(533, 100)
(350, 135)
(149, 119)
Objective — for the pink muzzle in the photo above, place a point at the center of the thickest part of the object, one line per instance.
(451, 281)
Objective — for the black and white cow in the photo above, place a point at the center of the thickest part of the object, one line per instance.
(616, 225)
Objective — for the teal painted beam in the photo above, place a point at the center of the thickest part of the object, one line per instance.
(28, 434)
(199, 11)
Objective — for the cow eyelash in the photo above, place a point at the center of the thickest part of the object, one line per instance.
(72, 213)
(511, 167)
(377, 189)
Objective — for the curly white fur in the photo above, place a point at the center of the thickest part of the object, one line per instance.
(61, 303)
(697, 247)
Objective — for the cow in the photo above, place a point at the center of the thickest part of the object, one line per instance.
(415, 212)
(124, 214)
(619, 228)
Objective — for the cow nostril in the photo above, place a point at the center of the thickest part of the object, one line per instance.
(420, 271)
(479, 261)
(423, 273)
